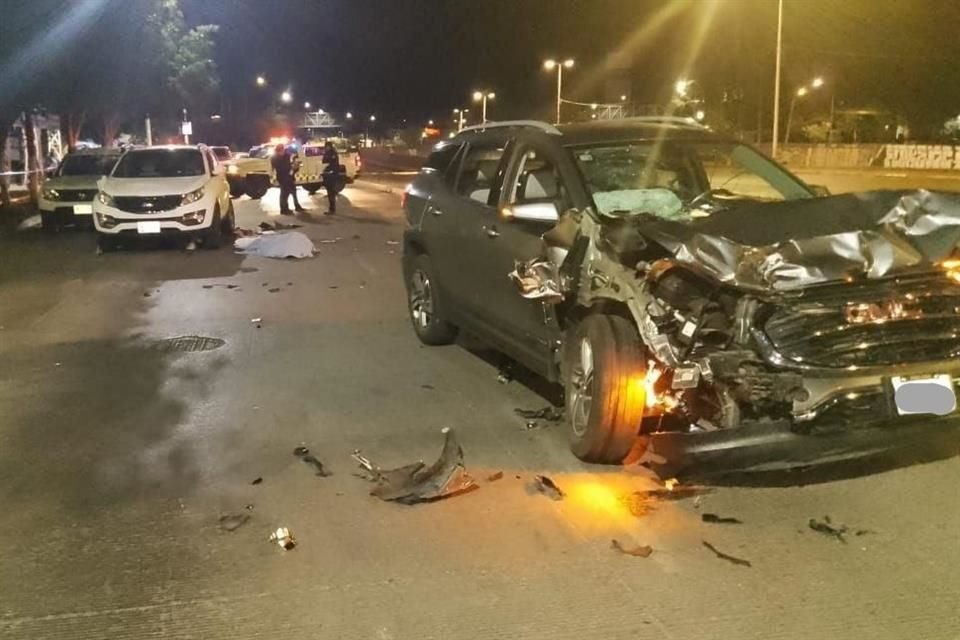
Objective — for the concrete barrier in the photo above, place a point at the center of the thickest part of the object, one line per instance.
(381, 159)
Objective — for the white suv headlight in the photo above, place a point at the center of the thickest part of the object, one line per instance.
(106, 198)
(50, 194)
(193, 196)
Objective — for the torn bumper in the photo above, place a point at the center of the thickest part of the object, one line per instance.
(778, 446)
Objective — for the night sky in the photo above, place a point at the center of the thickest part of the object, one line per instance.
(420, 58)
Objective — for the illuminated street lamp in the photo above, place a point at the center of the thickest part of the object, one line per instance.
(429, 123)
(261, 81)
(306, 105)
(623, 98)
(816, 83)
(461, 116)
(700, 115)
(552, 64)
(483, 96)
(682, 87)
(349, 116)
(286, 97)
(373, 118)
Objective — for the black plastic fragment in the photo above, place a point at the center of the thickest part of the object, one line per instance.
(725, 556)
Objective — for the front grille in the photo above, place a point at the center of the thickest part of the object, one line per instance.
(151, 204)
(880, 322)
(77, 195)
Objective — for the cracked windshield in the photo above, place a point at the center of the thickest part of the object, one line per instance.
(463, 319)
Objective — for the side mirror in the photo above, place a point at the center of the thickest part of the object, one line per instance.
(538, 211)
(819, 190)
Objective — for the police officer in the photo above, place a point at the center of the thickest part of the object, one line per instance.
(283, 166)
(331, 175)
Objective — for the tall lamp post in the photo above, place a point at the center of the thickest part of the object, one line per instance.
(776, 81)
(482, 97)
(799, 93)
(552, 64)
(461, 116)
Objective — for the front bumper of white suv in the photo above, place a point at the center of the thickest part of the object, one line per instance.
(146, 215)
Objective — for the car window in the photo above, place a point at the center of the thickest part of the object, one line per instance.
(160, 163)
(87, 164)
(743, 172)
(477, 178)
(222, 153)
(538, 180)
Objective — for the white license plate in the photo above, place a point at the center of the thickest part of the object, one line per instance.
(924, 395)
(83, 208)
(148, 226)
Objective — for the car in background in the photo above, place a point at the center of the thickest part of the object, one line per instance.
(164, 190)
(253, 175)
(700, 305)
(67, 196)
(222, 154)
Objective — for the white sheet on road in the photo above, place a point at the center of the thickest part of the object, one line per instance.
(276, 245)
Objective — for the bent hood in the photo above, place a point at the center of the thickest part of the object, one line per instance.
(151, 186)
(790, 245)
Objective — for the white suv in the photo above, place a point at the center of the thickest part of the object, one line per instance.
(164, 190)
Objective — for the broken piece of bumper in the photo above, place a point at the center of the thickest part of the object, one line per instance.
(779, 446)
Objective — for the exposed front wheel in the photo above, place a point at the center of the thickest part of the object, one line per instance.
(236, 190)
(257, 186)
(425, 311)
(603, 372)
(213, 238)
(312, 188)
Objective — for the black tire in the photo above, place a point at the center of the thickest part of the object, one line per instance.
(107, 243)
(48, 222)
(213, 238)
(237, 190)
(312, 188)
(604, 391)
(257, 186)
(229, 223)
(426, 311)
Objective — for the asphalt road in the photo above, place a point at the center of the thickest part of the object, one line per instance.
(118, 457)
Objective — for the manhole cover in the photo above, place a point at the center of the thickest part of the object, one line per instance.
(184, 344)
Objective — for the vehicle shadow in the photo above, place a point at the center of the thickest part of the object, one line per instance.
(510, 370)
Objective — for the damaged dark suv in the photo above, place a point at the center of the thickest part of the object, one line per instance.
(694, 298)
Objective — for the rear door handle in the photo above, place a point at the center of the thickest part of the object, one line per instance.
(491, 232)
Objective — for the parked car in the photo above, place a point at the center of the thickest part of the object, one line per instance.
(222, 154)
(253, 175)
(699, 304)
(174, 190)
(67, 196)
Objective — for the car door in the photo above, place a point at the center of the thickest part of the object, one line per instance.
(528, 326)
(474, 201)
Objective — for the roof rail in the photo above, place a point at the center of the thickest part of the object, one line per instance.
(533, 124)
(687, 120)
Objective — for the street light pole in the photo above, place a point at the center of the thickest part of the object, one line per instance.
(776, 82)
(549, 65)
(482, 97)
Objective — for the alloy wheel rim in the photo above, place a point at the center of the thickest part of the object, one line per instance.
(421, 300)
(582, 393)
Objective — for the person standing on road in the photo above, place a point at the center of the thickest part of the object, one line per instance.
(283, 167)
(331, 175)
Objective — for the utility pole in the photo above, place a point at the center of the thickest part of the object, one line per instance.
(776, 82)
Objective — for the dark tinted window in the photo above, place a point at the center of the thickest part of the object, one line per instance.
(87, 164)
(160, 163)
(440, 159)
(478, 171)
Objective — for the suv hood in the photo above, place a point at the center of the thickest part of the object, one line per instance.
(151, 186)
(72, 182)
(788, 245)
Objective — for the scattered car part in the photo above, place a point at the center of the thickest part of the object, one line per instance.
(713, 518)
(826, 528)
(537, 279)
(493, 477)
(549, 488)
(257, 480)
(284, 538)
(724, 556)
(640, 551)
(189, 344)
(417, 482)
(304, 454)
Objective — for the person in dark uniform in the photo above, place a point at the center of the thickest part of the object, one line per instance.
(331, 175)
(283, 166)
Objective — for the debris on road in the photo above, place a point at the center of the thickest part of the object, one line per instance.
(826, 528)
(548, 487)
(715, 519)
(257, 480)
(146, 294)
(277, 226)
(256, 320)
(505, 374)
(333, 286)
(493, 477)
(232, 522)
(641, 503)
(329, 240)
(32, 222)
(191, 246)
(724, 556)
(640, 551)
(284, 538)
(393, 242)
(417, 482)
(428, 387)
(292, 244)
(304, 454)
(538, 418)
(274, 290)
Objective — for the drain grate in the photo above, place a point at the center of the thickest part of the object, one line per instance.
(189, 344)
